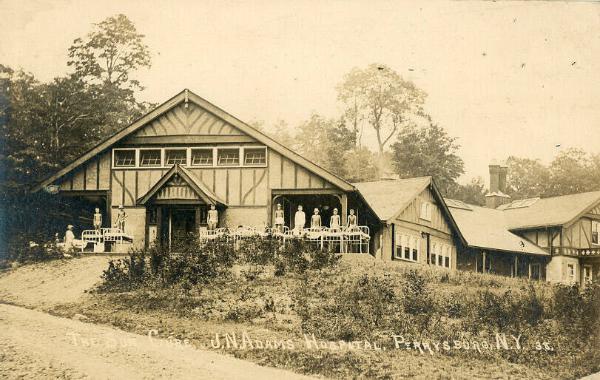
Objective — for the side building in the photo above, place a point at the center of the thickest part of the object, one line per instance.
(415, 223)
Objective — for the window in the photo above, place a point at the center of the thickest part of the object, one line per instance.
(175, 156)
(536, 271)
(447, 256)
(255, 156)
(587, 274)
(426, 210)
(202, 157)
(595, 231)
(571, 272)
(415, 249)
(150, 157)
(228, 157)
(407, 247)
(124, 158)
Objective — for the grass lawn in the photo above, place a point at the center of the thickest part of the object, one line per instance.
(263, 316)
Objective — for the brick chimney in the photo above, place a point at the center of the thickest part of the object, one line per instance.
(497, 195)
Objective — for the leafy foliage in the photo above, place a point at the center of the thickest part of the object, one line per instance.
(382, 98)
(422, 151)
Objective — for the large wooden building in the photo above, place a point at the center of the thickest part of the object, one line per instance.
(168, 167)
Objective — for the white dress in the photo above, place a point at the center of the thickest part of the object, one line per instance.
(299, 220)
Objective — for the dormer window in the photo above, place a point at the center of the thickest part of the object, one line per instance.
(426, 208)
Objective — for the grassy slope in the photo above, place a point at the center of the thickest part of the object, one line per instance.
(239, 306)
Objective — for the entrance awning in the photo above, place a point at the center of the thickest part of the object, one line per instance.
(179, 184)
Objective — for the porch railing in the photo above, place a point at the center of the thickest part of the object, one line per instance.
(578, 252)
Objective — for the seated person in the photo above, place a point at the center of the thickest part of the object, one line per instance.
(352, 222)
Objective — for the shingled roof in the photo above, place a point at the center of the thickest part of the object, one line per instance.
(487, 228)
(388, 198)
(547, 212)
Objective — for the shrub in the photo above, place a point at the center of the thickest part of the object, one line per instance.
(24, 248)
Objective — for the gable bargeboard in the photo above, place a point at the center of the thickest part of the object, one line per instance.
(237, 186)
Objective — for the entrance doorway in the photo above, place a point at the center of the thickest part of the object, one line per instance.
(178, 223)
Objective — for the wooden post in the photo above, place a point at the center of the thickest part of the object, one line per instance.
(483, 255)
(197, 219)
(344, 202)
(158, 225)
(529, 268)
(516, 266)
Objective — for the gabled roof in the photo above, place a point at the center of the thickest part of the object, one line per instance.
(547, 212)
(389, 198)
(487, 228)
(199, 188)
(185, 96)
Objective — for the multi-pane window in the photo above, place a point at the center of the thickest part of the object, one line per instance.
(595, 232)
(255, 156)
(124, 158)
(228, 157)
(571, 272)
(175, 156)
(440, 255)
(407, 247)
(202, 157)
(150, 157)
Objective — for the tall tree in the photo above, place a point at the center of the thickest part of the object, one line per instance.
(325, 142)
(472, 192)
(110, 53)
(428, 150)
(527, 178)
(572, 171)
(108, 58)
(382, 97)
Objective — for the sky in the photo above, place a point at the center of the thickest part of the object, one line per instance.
(504, 77)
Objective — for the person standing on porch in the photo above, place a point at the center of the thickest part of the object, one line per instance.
(299, 220)
(335, 221)
(315, 220)
(213, 218)
(279, 219)
(121, 217)
(69, 238)
(97, 219)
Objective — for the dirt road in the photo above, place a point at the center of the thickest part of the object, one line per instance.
(34, 344)
(44, 285)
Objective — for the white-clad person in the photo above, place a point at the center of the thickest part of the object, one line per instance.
(299, 220)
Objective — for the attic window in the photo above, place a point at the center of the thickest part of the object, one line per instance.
(426, 208)
(150, 157)
(202, 157)
(124, 158)
(176, 156)
(228, 157)
(255, 156)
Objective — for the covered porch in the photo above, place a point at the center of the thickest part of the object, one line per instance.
(356, 238)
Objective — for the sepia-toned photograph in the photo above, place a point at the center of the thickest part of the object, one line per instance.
(299, 189)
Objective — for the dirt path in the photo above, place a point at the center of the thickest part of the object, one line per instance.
(38, 345)
(45, 285)
(34, 344)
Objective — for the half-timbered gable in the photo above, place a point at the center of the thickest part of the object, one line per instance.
(241, 166)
